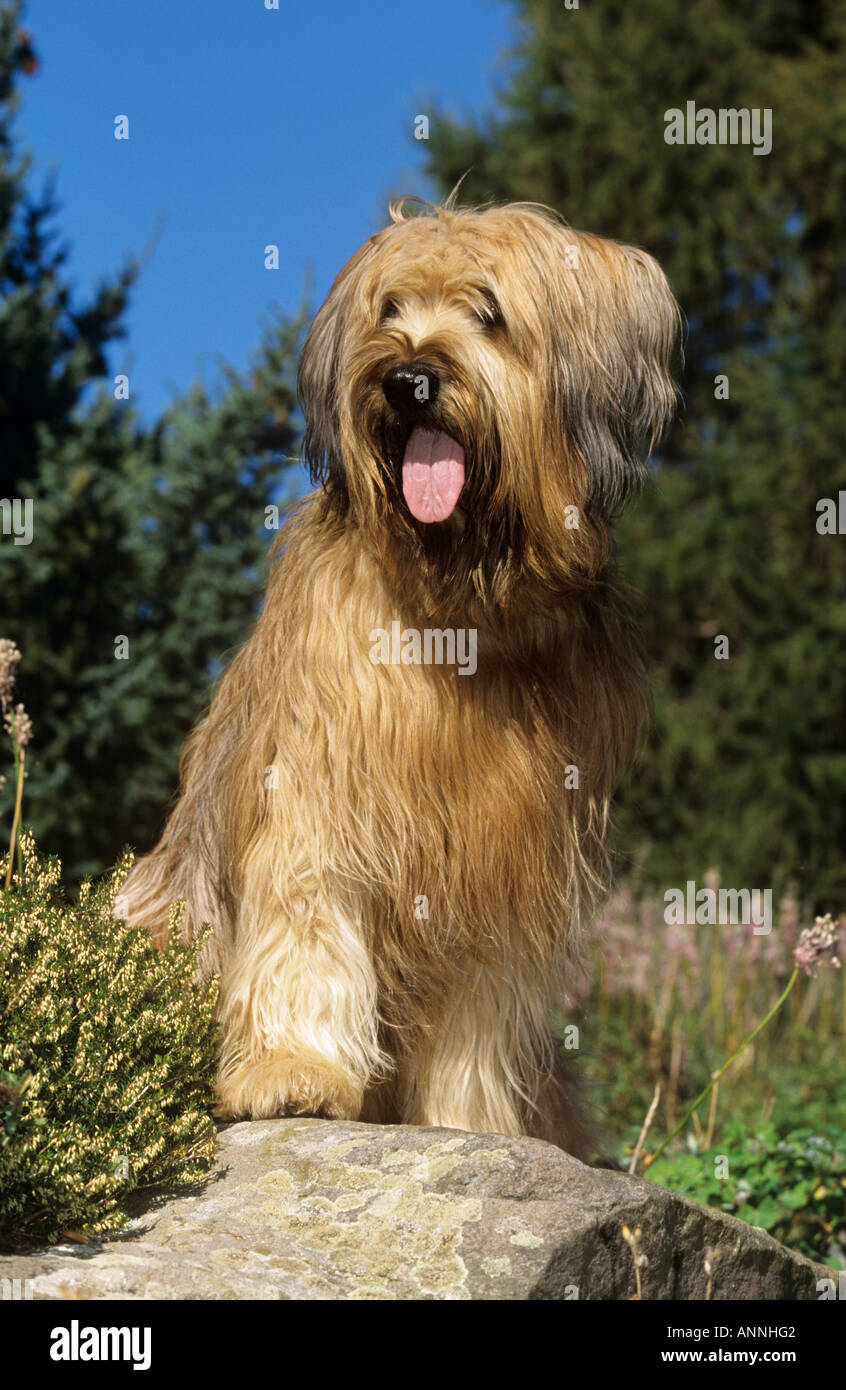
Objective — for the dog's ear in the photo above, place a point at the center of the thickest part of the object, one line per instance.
(317, 378)
(319, 374)
(628, 328)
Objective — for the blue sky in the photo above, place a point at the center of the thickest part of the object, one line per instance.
(247, 126)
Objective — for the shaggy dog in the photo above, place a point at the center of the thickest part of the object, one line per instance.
(400, 848)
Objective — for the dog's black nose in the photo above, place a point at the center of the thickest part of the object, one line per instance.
(410, 386)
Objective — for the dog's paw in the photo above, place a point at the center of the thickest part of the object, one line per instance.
(280, 1084)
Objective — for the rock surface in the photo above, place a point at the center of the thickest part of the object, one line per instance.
(315, 1209)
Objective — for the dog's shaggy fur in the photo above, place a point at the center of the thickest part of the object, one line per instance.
(325, 797)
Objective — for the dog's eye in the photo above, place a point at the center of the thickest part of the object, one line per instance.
(488, 310)
(389, 310)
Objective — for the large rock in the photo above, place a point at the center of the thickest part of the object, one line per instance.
(310, 1209)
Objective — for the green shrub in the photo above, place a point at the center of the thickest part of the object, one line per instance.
(793, 1185)
(107, 1054)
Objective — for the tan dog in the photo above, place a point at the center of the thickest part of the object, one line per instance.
(399, 856)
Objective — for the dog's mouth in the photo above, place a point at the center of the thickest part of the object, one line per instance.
(432, 474)
(424, 459)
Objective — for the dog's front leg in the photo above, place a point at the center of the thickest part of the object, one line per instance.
(484, 1061)
(298, 1013)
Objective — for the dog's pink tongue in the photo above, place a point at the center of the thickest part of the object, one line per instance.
(432, 474)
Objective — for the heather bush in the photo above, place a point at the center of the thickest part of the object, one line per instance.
(106, 1057)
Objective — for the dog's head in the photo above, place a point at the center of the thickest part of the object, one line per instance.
(478, 386)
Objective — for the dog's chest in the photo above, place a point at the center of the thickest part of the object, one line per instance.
(439, 722)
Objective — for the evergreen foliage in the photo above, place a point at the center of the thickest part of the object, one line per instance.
(746, 771)
(157, 536)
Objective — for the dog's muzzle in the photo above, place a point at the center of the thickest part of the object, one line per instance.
(433, 462)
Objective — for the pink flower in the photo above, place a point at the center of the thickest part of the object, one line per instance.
(815, 942)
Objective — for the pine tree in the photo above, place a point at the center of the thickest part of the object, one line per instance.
(50, 347)
(747, 767)
(145, 566)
